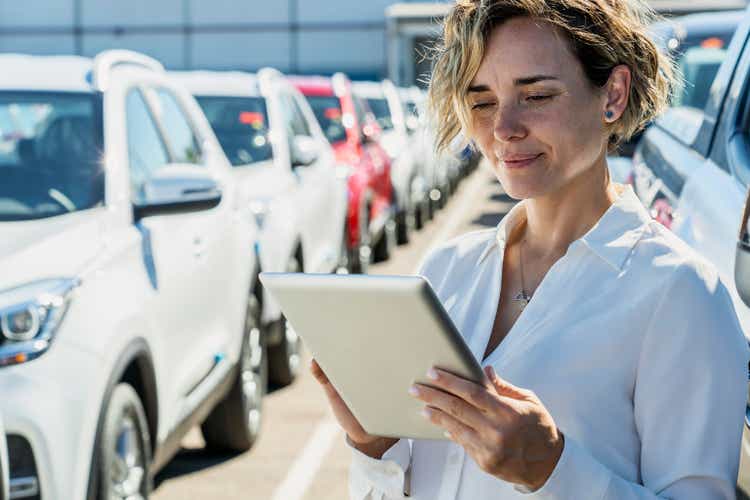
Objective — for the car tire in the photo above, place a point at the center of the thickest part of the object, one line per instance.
(387, 242)
(403, 227)
(234, 424)
(422, 214)
(124, 452)
(360, 258)
(285, 357)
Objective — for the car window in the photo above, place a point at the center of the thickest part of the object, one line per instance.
(698, 67)
(50, 154)
(241, 125)
(180, 138)
(146, 150)
(382, 112)
(327, 110)
(360, 110)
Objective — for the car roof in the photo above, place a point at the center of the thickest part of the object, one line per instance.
(46, 73)
(313, 85)
(368, 90)
(218, 83)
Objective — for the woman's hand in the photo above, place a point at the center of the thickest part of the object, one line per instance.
(506, 430)
(368, 444)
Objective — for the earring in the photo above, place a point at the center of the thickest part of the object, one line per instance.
(609, 114)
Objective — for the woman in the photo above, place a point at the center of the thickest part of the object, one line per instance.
(615, 365)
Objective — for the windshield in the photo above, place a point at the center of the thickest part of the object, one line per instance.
(241, 125)
(698, 66)
(382, 113)
(50, 152)
(327, 110)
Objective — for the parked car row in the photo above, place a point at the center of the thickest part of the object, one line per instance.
(692, 169)
(137, 208)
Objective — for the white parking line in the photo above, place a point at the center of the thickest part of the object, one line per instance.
(305, 467)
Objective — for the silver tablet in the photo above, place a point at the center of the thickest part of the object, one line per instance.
(374, 336)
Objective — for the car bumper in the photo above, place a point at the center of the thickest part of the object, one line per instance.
(50, 408)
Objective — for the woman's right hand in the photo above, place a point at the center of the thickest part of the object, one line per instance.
(373, 446)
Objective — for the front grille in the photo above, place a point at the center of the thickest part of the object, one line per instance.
(24, 483)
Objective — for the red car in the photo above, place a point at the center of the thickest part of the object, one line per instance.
(353, 132)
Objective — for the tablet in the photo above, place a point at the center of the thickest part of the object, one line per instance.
(374, 336)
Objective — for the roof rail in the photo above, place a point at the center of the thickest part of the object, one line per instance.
(105, 61)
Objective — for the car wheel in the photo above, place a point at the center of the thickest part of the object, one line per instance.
(284, 358)
(404, 226)
(235, 422)
(422, 214)
(360, 258)
(387, 242)
(125, 448)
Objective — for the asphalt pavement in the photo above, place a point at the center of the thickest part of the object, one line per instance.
(301, 454)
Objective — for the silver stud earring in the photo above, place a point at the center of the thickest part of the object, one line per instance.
(608, 114)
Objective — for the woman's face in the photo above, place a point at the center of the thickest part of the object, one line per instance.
(534, 114)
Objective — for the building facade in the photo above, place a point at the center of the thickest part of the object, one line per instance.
(295, 36)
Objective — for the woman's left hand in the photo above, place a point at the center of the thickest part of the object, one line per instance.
(505, 429)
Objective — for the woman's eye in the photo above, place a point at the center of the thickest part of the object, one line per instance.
(538, 98)
(481, 105)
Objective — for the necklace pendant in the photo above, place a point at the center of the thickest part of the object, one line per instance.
(523, 299)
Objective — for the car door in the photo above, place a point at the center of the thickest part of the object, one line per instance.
(173, 250)
(218, 282)
(319, 254)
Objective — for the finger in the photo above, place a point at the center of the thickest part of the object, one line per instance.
(318, 372)
(455, 430)
(458, 408)
(505, 388)
(471, 392)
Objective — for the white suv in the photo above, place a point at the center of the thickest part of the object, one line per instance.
(126, 277)
(409, 186)
(285, 169)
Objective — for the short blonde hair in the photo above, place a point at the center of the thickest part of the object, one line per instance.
(602, 34)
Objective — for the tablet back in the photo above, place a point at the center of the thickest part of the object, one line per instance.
(374, 336)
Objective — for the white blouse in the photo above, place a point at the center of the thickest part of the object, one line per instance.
(632, 344)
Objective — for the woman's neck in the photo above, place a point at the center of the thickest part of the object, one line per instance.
(557, 219)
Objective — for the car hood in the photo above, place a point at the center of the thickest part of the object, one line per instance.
(682, 122)
(53, 247)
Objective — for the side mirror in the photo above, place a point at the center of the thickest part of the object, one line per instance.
(176, 188)
(742, 259)
(305, 151)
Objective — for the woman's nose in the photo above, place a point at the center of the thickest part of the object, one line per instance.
(508, 125)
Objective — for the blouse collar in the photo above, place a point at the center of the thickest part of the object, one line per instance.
(612, 238)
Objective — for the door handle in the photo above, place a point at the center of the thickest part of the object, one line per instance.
(199, 247)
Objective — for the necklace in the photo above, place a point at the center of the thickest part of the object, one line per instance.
(523, 298)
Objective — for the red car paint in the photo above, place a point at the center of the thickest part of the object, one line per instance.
(370, 177)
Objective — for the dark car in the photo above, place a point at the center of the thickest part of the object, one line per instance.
(692, 168)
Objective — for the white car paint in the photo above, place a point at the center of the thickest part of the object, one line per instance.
(301, 206)
(191, 315)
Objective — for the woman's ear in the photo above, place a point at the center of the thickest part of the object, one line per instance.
(617, 90)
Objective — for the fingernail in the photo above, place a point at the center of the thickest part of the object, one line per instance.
(432, 374)
(448, 435)
(425, 412)
(414, 390)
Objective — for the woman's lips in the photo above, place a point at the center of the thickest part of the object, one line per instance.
(520, 162)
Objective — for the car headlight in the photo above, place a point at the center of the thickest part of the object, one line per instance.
(259, 209)
(29, 317)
